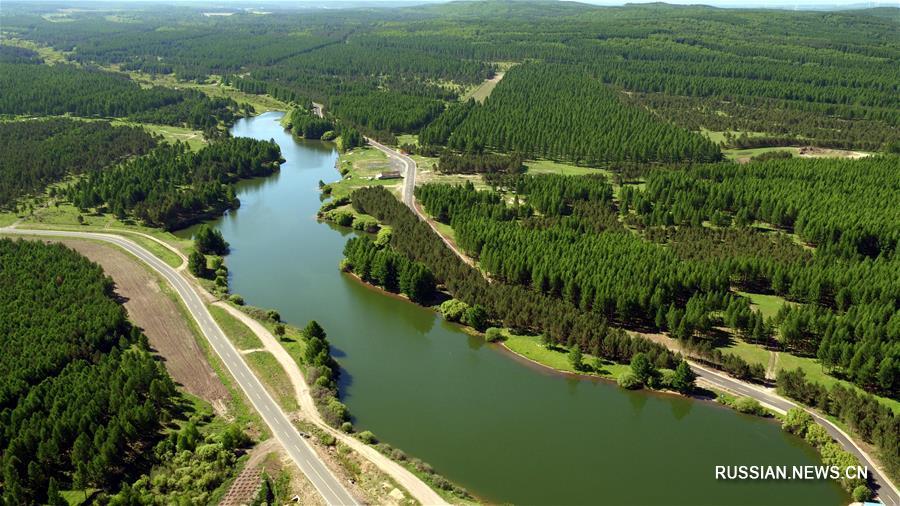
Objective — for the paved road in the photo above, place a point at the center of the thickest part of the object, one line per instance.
(328, 485)
(886, 491)
(408, 171)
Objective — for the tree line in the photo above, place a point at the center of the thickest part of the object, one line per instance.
(171, 186)
(35, 153)
(874, 422)
(523, 310)
(82, 91)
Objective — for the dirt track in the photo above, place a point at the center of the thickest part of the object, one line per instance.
(160, 319)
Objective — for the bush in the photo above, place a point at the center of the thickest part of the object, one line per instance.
(237, 299)
(749, 406)
(383, 237)
(861, 494)
(365, 224)
(367, 437)
(493, 334)
(476, 317)
(452, 310)
(343, 219)
(347, 427)
(329, 135)
(630, 381)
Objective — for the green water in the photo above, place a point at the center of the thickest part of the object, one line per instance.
(503, 430)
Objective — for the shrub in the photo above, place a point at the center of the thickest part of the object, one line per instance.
(452, 310)
(861, 494)
(630, 381)
(749, 406)
(383, 237)
(476, 317)
(343, 219)
(367, 437)
(347, 427)
(493, 334)
(237, 299)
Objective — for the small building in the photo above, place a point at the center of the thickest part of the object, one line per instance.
(389, 174)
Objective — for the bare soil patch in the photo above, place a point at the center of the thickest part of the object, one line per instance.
(161, 320)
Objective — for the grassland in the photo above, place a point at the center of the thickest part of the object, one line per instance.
(240, 334)
(557, 358)
(48, 214)
(277, 382)
(564, 169)
(768, 305)
(358, 166)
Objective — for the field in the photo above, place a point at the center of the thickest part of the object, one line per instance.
(361, 164)
(483, 90)
(158, 315)
(564, 169)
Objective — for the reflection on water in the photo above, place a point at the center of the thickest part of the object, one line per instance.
(507, 432)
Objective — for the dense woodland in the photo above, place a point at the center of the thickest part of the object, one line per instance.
(556, 112)
(79, 402)
(171, 186)
(523, 310)
(34, 88)
(827, 78)
(565, 237)
(36, 153)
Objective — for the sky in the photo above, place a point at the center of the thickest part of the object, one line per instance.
(783, 4)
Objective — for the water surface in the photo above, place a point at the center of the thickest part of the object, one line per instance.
(504, 431)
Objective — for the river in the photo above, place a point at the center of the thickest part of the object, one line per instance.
(505, 431)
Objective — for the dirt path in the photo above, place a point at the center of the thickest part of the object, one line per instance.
(416, 487)
(161, 320)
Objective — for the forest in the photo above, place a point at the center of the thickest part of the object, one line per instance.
(523, 310)
(35, 88)
(825, 78)
(81, 400)
(557, 112)
(36, 153)
(172, 187)
(566, 238)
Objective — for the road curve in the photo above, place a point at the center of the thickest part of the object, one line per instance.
(326, 483)
(886, 490)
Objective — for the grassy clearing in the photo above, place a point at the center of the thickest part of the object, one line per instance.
(718, 137)
(48, 54)
(358, 166)
(735, 154)
(481, 91)
(408, 139)
(768, 305)
(557, 358)
(564, 169)
(213, 88)
(752, 353)
(267, 369)
(756, 354)
(815, 372)
(237, 332)
(193, 138)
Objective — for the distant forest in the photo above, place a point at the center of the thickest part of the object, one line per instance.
(826, 78)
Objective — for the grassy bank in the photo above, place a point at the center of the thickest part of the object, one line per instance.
(557, 357)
